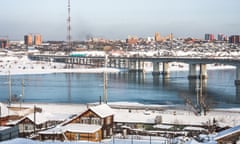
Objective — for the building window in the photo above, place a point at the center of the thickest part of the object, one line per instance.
(85, 120)
(95, 121)
(102, 122)
(77, 136)
(97, 136)
(104, 133)
(108, 120)
(26, 127)
(110, 131)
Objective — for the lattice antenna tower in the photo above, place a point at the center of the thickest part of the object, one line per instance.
(69, 27)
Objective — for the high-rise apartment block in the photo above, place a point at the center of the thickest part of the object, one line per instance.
(221, 37)
(132, 40)
(171, 36)
(157, 37)
(209, 37)
(28, 40)
(3, 43)
(234, 39)
(37, 39)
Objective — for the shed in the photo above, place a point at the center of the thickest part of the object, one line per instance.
(231, 135)
(7, 133)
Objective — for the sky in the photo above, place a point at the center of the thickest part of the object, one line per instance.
(117, 19)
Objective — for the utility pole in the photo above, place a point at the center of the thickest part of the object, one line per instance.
(105, 80)
(22, 94)
(10, 88)
(34, 119)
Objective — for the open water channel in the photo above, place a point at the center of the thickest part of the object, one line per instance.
(219, 89)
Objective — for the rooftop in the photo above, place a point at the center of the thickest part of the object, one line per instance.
(75, 127)
(227, 132)
(102, 110)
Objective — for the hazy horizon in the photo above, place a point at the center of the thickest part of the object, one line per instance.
(118, 19)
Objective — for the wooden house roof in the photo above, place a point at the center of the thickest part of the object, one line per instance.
(102, 110)
(73, 127)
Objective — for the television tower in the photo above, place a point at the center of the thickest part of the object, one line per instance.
(69, 27)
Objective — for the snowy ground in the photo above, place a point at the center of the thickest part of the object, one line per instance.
(16, 65)
(146, 140)
(173, 115)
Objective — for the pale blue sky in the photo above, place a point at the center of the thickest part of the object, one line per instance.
(116, 19)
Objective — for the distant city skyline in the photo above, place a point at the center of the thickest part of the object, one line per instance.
(118, 19)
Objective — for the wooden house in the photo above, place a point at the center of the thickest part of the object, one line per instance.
(84, 132)
(95, 124)
(7, 133)
(29, 125)
(73, 132)
(98, 115)
(133, 122)
(25, 126)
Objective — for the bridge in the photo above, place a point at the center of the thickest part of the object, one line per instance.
(137, 64)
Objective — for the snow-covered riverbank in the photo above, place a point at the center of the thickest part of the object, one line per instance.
(139, 113)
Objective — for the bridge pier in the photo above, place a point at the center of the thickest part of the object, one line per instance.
(192, 72)
(125, 64)
(115, 63)
(165, 71)
(119, 63)
(237, 83)
(68, 63)
(135, 66)
(203, 71)
(193, 77)
(132, 66)
(156, 71)
(140, 66)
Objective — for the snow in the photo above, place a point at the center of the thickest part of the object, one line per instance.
(135, 140)
(82, 128)
(20, 64)
(46, 116)
(51, 108)
(135, 116)
(176, 116)
(161, 126)
(4, 128)
(55, 130)
(192, 142)
(194, 129)
(102, 110)
(73, 127)
(172, 115)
